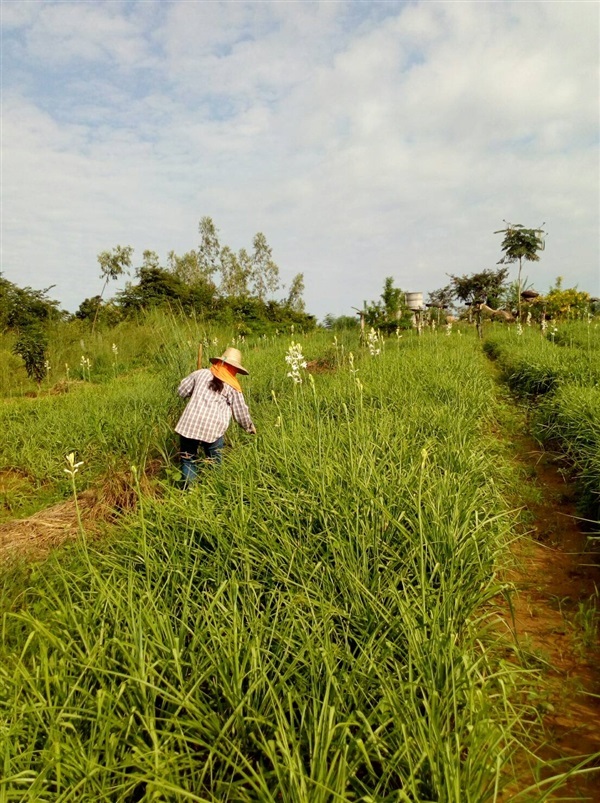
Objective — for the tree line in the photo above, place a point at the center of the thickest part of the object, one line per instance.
(213, 280)
(488, 290)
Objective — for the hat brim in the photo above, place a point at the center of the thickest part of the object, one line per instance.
(239, 368)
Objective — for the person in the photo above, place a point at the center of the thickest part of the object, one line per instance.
(215, 395)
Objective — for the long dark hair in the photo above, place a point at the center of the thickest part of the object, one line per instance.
(216, 384)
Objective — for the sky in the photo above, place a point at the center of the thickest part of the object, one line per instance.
(364, 139)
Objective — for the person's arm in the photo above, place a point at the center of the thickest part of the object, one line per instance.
(186, 386)
(240, 412)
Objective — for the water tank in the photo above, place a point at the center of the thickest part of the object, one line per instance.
(414, 301)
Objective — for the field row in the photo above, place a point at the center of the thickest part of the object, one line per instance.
(313, 621)
(561, 379)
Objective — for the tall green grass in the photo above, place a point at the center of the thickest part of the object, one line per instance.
(121, 414)
(570, 420)
(533, 364)
(561, 380)
(309, 623)
(112, 352)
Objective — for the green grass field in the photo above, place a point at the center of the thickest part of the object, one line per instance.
(316, 620)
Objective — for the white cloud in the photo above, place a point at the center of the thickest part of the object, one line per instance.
(364, 140)
(75, 32)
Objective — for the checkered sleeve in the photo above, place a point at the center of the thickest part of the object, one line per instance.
(186, 386)
(240, 411)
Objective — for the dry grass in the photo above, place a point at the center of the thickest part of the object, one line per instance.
(35, 536)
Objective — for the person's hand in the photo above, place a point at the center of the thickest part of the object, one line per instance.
(253, 430)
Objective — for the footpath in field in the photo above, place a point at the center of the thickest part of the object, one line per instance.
(554, 617)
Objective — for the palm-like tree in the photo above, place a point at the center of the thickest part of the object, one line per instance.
(518, 244)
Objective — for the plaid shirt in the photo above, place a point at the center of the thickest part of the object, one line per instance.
(208, 413)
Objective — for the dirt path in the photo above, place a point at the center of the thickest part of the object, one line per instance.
(554, 617)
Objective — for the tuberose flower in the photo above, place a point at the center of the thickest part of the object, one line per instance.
(73, 466)
(295, 361)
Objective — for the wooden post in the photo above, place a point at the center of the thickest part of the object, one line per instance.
(199, 364)
(361, 314)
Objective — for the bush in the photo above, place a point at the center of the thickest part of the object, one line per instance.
(31, 346)
(22, 306)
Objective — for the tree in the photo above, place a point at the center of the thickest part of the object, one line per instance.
(22, 306)
(390, 313)
(150, 259)
(88, 308)
(187, 269)
(235, 272)
(393, 300)
(485, 287)
(156, 286)
(112, 265)
(340, 323)
(106, 312)
(209, 250)
(443, 297)
(563, 302)
(265, 272)
(31, 346)
(518, 244)
(294, 300)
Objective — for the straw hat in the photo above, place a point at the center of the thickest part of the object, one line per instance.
(232, 357)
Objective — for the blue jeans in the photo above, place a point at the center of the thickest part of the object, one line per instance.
(189, 456)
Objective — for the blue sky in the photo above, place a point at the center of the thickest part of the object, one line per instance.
(365, 139)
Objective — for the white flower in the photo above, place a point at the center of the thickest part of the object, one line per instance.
(85, 364)
(372, 343)
(296, 361)
(115, 350)
(73, 466)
